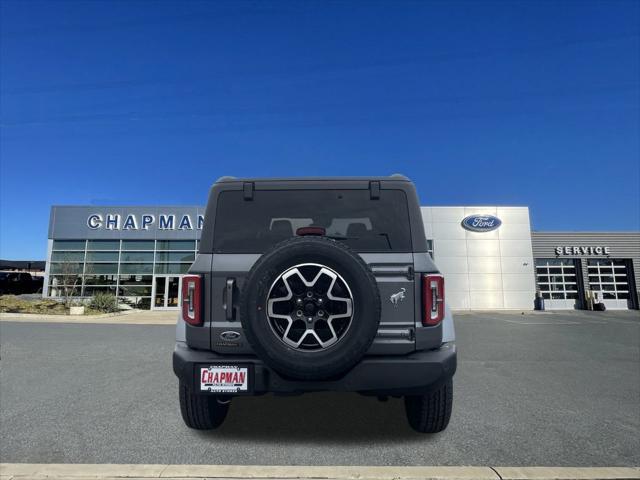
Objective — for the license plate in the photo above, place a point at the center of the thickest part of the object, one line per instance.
(224, 378)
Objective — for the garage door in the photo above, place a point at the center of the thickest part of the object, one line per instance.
(610, 280)
(557, 282)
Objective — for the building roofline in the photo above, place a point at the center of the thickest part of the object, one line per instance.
(479, 205)
(590, 232)
(128, 206)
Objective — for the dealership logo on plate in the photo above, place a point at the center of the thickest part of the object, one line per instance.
(481, 223)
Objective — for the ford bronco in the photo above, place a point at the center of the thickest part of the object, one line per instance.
(314, 284)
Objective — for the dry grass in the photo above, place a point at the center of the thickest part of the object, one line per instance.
(13, 304)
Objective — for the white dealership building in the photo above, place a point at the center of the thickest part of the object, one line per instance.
(490, 257)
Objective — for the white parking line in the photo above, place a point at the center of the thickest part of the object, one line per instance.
(539, 323)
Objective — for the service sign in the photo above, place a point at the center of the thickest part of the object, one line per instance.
(583, 250)
(481, 223)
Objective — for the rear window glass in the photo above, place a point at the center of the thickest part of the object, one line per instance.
(252, 226)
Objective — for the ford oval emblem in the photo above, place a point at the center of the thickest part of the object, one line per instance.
(230, 336)
(481, 223)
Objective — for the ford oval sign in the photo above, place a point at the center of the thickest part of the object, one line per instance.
(481, 223)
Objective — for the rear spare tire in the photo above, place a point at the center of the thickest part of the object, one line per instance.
(310, 308)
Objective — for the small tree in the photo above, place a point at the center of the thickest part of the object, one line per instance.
(69, 272)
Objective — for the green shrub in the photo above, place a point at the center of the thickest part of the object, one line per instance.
(104, 302)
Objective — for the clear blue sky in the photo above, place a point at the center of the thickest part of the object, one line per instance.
(523, 103)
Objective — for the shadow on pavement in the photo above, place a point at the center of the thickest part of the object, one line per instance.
(317, 418)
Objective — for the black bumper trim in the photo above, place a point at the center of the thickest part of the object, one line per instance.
(381, 375)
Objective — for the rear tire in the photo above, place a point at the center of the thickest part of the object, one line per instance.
(430, 413)
(201, 412)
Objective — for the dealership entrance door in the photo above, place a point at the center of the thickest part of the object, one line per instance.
(166, 292)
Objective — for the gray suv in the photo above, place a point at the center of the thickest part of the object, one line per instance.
(314, 284)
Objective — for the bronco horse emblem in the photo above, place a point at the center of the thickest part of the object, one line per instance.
(397, 297)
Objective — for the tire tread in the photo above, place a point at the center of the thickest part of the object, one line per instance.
(201, 412)
(430, 413)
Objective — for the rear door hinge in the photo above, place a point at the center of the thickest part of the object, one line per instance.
(247, 189)
(374, 189)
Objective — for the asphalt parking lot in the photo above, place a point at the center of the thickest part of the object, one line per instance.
(534, 389)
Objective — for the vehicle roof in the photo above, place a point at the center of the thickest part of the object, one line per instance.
(395, 177)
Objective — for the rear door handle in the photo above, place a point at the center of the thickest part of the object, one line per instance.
(229, 297)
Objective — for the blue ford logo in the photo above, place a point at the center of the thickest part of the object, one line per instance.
(230, 336)
(481, 223)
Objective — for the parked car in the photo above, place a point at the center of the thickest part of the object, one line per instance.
(18, 283)
(37, 282)
(318, 284)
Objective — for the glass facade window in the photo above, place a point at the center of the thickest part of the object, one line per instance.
(142, 303)
(136, 279)
(175, 257)
(90, 291)
(66, 268)
(64, 290)
(138, 245)
(139, 257)
(69, 245)
(136, 268)
(93, 268)
(103, 245)
(102, 256)
(65, 280)
(176, 245)
(130, 269)
(100, 279)
(67, 256)
(134, 291)
(164, 268)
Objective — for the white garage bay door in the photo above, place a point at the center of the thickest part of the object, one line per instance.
(557, 282)
(610, 280)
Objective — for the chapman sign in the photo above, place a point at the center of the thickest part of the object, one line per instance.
(481, 223)
(582, 250)
(115, 221)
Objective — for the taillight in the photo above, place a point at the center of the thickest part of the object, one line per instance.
(432, 299)
(192, 300)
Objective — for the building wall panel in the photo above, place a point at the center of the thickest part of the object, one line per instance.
(475, 263)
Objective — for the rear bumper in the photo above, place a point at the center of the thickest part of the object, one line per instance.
(415, 373)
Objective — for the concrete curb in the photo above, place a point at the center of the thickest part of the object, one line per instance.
(567, 473)
(24, 471)
(128, 317)
(27, 316)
